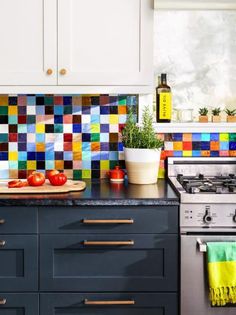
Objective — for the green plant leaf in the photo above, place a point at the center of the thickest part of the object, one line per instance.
(143, 137)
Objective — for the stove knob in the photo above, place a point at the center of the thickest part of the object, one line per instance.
(234, 217)
(207, 218)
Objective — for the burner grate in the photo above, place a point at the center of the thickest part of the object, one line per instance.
(212, 184)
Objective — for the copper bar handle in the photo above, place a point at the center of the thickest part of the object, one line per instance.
(108, 243)
(3, 301)
(2, 221)
(108, 221)
(119, 302)
(2, 243)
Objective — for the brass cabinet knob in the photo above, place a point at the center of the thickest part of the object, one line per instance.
(49, 72)
(3, 301)
(63, 71)
(2, 243)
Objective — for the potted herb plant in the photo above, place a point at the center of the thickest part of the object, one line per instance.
(216, 114)
(142, 149)
(231, 115)
(203, 118)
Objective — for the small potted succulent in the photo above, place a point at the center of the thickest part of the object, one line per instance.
(216, 115)
(142, 149)
(203, 118)
(231, 115)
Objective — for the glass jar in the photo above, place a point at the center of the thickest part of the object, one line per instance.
(185, 115)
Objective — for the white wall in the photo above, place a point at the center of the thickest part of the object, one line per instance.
(197, 49)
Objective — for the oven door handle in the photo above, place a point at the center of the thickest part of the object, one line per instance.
(201, 246)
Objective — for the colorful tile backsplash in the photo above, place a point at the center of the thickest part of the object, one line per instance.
(78, 134)
(197, 145)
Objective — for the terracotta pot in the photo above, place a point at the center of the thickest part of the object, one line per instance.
(203, 119)
(216, 119)
(231, 119)
(142, 165)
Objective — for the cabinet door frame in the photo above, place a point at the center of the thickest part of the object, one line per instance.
(143, 77)
(28, 244)
(164, 303)
(49, 53)
(27, 301)
(165, 245)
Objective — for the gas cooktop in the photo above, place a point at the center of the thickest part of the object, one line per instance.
(203, 180)
(208, 184)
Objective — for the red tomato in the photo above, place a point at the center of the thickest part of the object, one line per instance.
(52, 173)
(17, 184)
(58, 179)
(36, 179)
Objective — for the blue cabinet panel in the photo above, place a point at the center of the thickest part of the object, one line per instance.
(18, 220)
(19, 304)
(144, 304)
(18, 263)
(139, 219)
(76, 263)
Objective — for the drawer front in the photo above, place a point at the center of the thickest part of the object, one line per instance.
(141, 219)
(19, 304)
(18, 220)
(108, 263)
(18, 263)
(107, 304)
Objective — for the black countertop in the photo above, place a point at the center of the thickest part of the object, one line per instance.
(100, 193)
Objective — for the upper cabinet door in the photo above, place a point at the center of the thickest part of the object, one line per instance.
(28, 42)
(105, 42)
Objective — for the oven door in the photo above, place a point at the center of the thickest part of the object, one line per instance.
(194, 286)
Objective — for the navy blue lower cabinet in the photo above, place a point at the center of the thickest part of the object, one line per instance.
(18, 263)
(109, 304)
(19, 304)
(18, 220)
(109, 220)
(115, 262)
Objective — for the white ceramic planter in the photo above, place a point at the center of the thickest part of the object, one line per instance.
(142, 165)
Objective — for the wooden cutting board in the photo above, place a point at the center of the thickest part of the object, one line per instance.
(47, 188)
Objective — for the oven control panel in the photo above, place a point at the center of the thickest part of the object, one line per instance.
(212, 215)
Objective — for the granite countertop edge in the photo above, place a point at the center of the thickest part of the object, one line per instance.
(89, 202)
(100, 193)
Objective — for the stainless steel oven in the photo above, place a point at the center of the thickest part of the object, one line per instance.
(194, 286)
(207, 191)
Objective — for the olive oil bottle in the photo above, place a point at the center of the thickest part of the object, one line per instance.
(163, 100)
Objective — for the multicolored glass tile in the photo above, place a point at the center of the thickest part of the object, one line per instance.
(197, 145)
(78, 134)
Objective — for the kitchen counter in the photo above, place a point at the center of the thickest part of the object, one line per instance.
(100, 193)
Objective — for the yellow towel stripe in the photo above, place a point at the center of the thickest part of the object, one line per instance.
(222, 282)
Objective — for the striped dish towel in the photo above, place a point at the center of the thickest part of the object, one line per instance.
(221, 257)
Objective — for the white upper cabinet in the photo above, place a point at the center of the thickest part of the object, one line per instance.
(105, 42)
(76, 46)
(28, 42)
(195, 4)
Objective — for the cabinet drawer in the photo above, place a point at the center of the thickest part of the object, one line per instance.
(133, 304)
(18, 220)
(139, 219)
(18, 263)
(108, 263)
(19, 304)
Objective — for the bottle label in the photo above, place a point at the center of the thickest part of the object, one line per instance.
(165, 106)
